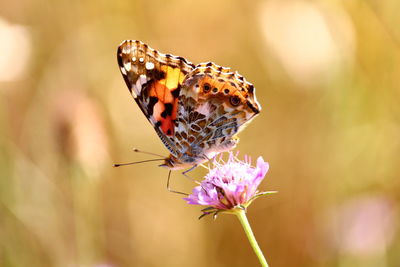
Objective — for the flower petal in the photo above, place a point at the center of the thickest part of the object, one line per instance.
(229, 184)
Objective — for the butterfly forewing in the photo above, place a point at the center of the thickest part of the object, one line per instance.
(154, 80)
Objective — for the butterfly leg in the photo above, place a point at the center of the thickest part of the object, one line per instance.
(190, 169)
(189, 177)
(194, 180)
(169, 188)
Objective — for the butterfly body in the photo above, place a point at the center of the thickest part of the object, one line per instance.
(196, 110)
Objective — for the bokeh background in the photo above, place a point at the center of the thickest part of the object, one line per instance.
(327, 74)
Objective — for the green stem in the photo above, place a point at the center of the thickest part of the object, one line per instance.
(252, 239)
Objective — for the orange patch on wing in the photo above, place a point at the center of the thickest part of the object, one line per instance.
(159, 107)
(163, 93)
(174, 109)
(174, 76)
(221, 87)
(213, 83)
(162, 90)
(167, 126)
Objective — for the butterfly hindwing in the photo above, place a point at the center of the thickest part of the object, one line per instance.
(214, 105)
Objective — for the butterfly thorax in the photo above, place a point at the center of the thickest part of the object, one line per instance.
(174, 163)
(196, 156)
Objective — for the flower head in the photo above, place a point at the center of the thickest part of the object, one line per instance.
(229, 185)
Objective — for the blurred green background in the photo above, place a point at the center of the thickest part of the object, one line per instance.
(327, 74)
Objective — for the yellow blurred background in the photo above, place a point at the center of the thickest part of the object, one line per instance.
(327, 74)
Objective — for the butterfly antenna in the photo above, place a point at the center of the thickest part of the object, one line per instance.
(135, 162)
(148, 153)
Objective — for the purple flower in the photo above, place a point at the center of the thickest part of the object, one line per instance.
(229, 185)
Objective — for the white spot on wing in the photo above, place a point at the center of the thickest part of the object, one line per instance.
(141, 60)
(204, 109)
(140, 81)
(126, 49)
(181, 128)
(127, 66)
(143, 79)
(149, 65)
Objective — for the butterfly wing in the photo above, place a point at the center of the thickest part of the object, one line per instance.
(195, 110)
(154, 80)
(214, 105)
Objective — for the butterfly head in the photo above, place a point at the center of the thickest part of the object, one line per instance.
(173, 163)
(184, 162)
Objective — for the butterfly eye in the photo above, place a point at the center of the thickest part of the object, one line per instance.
(235, 100)
(206, 88)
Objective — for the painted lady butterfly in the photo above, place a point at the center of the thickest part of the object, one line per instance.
(195, 110)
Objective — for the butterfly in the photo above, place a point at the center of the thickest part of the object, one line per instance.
(196, 110)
